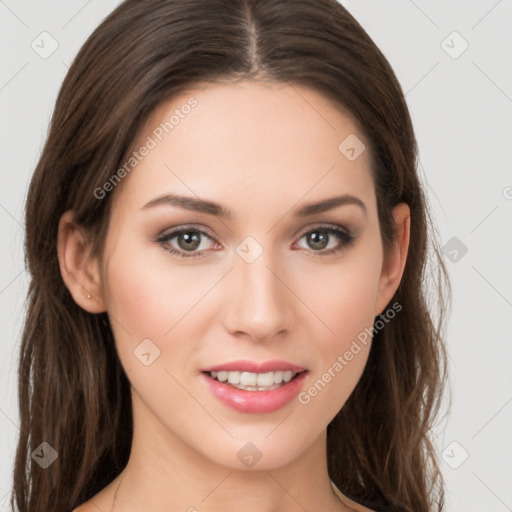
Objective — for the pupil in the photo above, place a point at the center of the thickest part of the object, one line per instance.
(190, 237)
(318, 241)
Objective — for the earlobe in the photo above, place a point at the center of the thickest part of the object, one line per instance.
(79, 271)
(393, 268)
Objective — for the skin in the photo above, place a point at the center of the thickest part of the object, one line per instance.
(261, 150)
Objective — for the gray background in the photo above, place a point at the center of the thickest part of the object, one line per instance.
(461, 103)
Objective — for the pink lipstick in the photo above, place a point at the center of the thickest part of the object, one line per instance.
(248, 386)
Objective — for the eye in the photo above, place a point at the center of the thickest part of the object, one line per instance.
(320, 238)
(188, 240)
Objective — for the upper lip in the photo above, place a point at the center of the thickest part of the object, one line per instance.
(255, 367)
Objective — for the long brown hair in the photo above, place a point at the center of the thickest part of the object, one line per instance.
(73, 392)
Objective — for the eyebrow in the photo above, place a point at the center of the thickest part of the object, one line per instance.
(211, 208)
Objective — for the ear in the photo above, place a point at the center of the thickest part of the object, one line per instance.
(79, 271)
(393, 268)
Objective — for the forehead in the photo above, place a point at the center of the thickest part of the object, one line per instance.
(245, 142)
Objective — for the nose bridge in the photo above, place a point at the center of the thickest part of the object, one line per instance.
(260, 306)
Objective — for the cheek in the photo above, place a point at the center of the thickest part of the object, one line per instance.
(348, 301)
(148, 294)
(136, 299)
(347, 309)
(343, 296)
(146, 299)
(340, 357)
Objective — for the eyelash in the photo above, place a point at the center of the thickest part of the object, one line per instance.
(347, 240)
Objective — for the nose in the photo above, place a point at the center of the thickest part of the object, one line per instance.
(259, 304)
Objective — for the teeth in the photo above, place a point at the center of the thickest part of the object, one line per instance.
(234, 377)
(254, 381)
(251, 379)
(287, 376)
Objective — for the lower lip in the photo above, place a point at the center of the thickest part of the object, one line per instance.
(255, 401)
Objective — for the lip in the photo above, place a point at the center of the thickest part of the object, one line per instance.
(254, 367)
(254, 401)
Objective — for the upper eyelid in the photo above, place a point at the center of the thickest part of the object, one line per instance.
(178, 229)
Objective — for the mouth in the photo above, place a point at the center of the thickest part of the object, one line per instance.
(255, 388)
(249, 381)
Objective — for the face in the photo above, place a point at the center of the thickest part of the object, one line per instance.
(263, 282)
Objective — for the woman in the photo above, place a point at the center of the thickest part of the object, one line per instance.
(228, 239)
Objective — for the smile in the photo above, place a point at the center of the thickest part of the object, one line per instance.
(254, 393)
(254, 381)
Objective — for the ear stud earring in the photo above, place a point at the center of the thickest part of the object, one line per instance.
(88, 296)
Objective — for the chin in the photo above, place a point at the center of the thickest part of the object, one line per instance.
(257, 453)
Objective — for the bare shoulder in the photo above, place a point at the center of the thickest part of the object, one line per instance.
(101, 502)
(86, 507)
(90, 506)
(354, 507)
